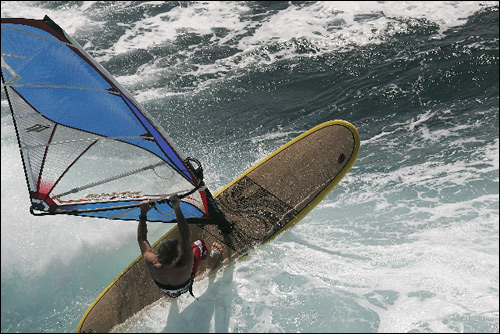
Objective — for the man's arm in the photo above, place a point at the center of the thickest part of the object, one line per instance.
(142, 229)
(182, 225)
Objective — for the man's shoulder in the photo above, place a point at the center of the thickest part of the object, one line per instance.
(150, 257)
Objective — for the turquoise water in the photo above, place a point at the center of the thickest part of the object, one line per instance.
(408, 240)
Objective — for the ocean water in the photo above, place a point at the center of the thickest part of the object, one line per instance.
(407, 242)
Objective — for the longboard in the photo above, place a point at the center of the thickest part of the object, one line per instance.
(265, 200)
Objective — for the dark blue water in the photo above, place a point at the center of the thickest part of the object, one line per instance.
(408, 240)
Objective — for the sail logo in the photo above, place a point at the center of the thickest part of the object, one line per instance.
(37, 128)
(114, 195)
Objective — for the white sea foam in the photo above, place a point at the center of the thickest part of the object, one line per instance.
(328, 26)
(325, 25)
(71, 17)
(324, 21)
(31, 245)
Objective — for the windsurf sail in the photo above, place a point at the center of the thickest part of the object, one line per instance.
(88, 148)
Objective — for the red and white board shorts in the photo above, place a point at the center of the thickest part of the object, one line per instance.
(200, 253)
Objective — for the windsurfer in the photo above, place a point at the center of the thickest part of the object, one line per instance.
(174, 267)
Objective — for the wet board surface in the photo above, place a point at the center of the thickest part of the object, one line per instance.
(268, 198)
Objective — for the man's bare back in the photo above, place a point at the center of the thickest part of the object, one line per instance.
(179, 270)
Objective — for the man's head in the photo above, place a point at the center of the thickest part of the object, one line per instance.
(167, 251)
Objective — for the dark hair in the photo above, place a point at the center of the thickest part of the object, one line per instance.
(167, 251)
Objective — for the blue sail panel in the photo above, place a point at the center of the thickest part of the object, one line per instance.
(163, 212)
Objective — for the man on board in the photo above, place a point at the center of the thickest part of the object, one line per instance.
(174, 267)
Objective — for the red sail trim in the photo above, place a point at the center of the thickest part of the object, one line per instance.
(40, 172)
